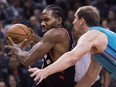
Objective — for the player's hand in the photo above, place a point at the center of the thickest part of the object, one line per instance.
(13, 45)
(16, 50)
(35, 38)
(39, 74)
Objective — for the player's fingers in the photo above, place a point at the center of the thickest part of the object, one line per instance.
(37, 78)
(32, 69)
(29, 67)
(14, 50)
(31, 30)
(11, 52)
(34, 73)
(37, 83)
(9, 47)
(23, 43)
(40, 80)
(11, 41)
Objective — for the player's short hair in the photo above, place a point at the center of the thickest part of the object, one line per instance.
(90, 15)
(57, 11)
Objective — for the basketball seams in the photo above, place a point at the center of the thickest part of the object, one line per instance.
(16, 40)
(15, 34)
(23, 29)
(28, 33)
(19, 32)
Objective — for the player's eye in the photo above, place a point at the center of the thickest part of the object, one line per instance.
(46, 19)
(41, 20)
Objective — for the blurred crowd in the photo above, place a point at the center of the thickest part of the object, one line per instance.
(12, 73)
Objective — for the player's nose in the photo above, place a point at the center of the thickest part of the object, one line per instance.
(43, 25)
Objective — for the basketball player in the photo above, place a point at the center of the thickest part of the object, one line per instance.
(55, 42)
(98, 41)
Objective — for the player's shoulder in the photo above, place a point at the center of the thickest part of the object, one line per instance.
(58, 32)
(92, 35)
(55, 35)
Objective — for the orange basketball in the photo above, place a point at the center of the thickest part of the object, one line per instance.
(18, 33)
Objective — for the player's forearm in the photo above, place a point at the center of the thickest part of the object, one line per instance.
(37, 39)
(107, 79)
(61, 64)
(68, 59)
(90, 77)
(87, 81)
(31, 57)
(21, 57)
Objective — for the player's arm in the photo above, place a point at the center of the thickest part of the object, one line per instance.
(90, 77)
(85, 44)
(68, 59)
(107, 79)
(39, 49)
(44, 46)
(35, 38)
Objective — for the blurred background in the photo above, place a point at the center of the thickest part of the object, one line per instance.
(28, 12)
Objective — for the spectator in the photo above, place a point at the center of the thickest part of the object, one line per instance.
(19, 72)
(102, 7)
(12, 81)
(35, 25)
(28, 7)
(14, 10)
(112, 25)
(37, 14)
(69, 20)
(105, 23)
(2, 83)
(112, 14)
(40, 4)
(3, 6)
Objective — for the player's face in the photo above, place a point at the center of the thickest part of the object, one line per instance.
(48, 20)
(77, 25)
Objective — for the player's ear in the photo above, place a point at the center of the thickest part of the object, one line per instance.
(59, 20)
(82, 21)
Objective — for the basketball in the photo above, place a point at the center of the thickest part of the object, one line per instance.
(18, 33)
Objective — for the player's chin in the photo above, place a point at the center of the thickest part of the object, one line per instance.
(44, 30)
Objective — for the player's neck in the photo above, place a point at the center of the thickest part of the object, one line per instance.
(59, 26)
(85, 29)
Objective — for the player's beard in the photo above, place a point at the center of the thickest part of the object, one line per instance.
(53, 25)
